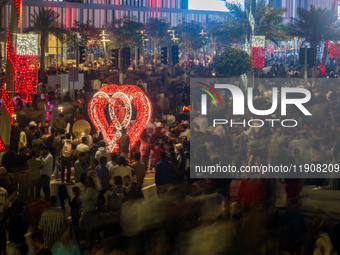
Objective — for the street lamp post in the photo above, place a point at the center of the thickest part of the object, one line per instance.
(143, 40)
(104, 40)
(173, 39)
(202, 34)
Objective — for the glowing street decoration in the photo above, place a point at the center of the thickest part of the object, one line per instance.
(8, 102)
(257, 54)
(2, 145)
(258, 51)
(120, 100)
(26, 57)
(258, 41)
(27, 75)
(244, 79)
(27, 44)
(334, 50)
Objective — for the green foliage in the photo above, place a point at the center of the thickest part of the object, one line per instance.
(268, 23)
(189, 36)
(157, 31)
(314, 25)
(124, 32)
(215, 44)
(233, 62)
(83, 34)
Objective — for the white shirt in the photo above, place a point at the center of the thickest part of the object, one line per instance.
(185, 133)
(170, 119)
(23, 139)
(82, 148)
(47, 162)
(102, 152)
(121, 170)
(97, 84)
(110, 165)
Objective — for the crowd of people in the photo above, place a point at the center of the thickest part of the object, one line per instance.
(106, 213)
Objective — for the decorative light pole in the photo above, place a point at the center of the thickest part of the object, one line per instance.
(173, 39)
(6, 117)
(104, 40)
(144, 39)
(203, 37)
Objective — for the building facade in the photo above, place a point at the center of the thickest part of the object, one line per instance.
(293, 5)
(102, 11)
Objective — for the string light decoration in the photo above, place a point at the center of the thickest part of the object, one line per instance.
(244, 79)
(251, 21)
(2, 145)
(26, 57)
(17, 5)
(11, 53)
(257, 53)
(322, 68)
(27, 75)
(258, 41)
(8, 102)
(334, 50)
(27, 44)
(120, 100)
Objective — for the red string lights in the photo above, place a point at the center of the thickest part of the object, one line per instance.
(257, 54)
(335, 50)
(2, 145)
(26, 76)
(120, 100)
(11, 53)
(17, 5)
(8, 102)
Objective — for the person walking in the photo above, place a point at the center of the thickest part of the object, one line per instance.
(46, 172)
(67, 152)
(163, 175)
(140, 169)
(75, 205)
(23, 137)
(52, 222)
(124, 144)
(121, 169)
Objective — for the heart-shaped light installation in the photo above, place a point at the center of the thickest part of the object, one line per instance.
(120, 100)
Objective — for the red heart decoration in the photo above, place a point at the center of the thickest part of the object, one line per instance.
(120, 100)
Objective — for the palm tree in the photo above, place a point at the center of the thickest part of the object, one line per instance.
(157, 30)
(268, 23)
(44, 23)
(315, 26)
